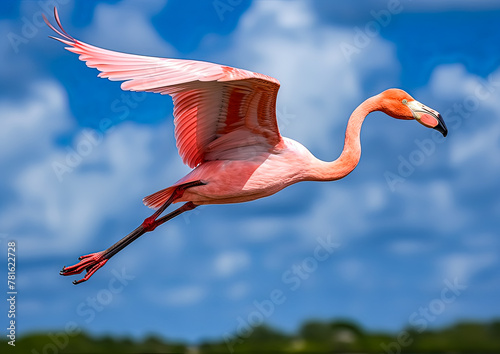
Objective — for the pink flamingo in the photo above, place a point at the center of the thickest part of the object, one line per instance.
(226, 129)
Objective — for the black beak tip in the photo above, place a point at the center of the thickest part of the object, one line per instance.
(442, 130)
(441, 127)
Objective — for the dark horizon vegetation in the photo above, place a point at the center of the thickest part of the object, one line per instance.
(313, 336)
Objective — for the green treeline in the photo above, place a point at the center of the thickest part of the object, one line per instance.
(312, 337)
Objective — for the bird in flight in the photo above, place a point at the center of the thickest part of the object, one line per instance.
(226, 130)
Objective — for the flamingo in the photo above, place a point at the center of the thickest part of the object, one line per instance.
(226, 130)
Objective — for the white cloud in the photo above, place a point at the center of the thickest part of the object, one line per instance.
(478, 145)
(85, 198)
(409, 247)
(295, 15)
(358, 12)
(451, 81)
(53, 216)
(342, 211)
(261, 228)
(352, 270)
(229, 263)
(474, 131)
(432, 205)
(181, 296)
(451, 5)
(29, 125)
(126, 26)
(238, 290)
(479, 241)
(465, 265)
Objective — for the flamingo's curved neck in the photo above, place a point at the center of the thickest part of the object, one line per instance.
(348, 160)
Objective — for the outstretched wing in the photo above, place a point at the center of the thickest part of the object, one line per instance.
(217, 109)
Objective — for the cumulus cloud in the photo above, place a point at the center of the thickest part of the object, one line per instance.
(354, 12)
(409, 247)
(181, 296)
(67, 208)
(465, 265)
(451, 5)
(229, 263)
(472, 108)
(352, 270)
(126, 26)
(237, 290)
(30, 124)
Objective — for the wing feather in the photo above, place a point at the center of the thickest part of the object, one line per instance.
(217, 108)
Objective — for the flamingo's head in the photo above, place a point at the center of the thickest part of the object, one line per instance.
(399, 104)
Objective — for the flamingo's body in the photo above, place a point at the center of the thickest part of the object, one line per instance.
(226, 129)
(248, 176)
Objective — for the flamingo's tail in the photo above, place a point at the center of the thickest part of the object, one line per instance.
(156, 200)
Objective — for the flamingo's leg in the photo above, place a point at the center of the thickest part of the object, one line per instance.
(93, 261)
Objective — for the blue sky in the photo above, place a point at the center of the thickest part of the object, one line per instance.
(418, 214)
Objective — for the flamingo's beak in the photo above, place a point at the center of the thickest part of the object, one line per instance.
(428, 117)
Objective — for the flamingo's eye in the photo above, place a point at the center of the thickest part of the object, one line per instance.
(405, 101)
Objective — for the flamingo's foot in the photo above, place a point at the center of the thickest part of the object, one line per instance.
(90, 263)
